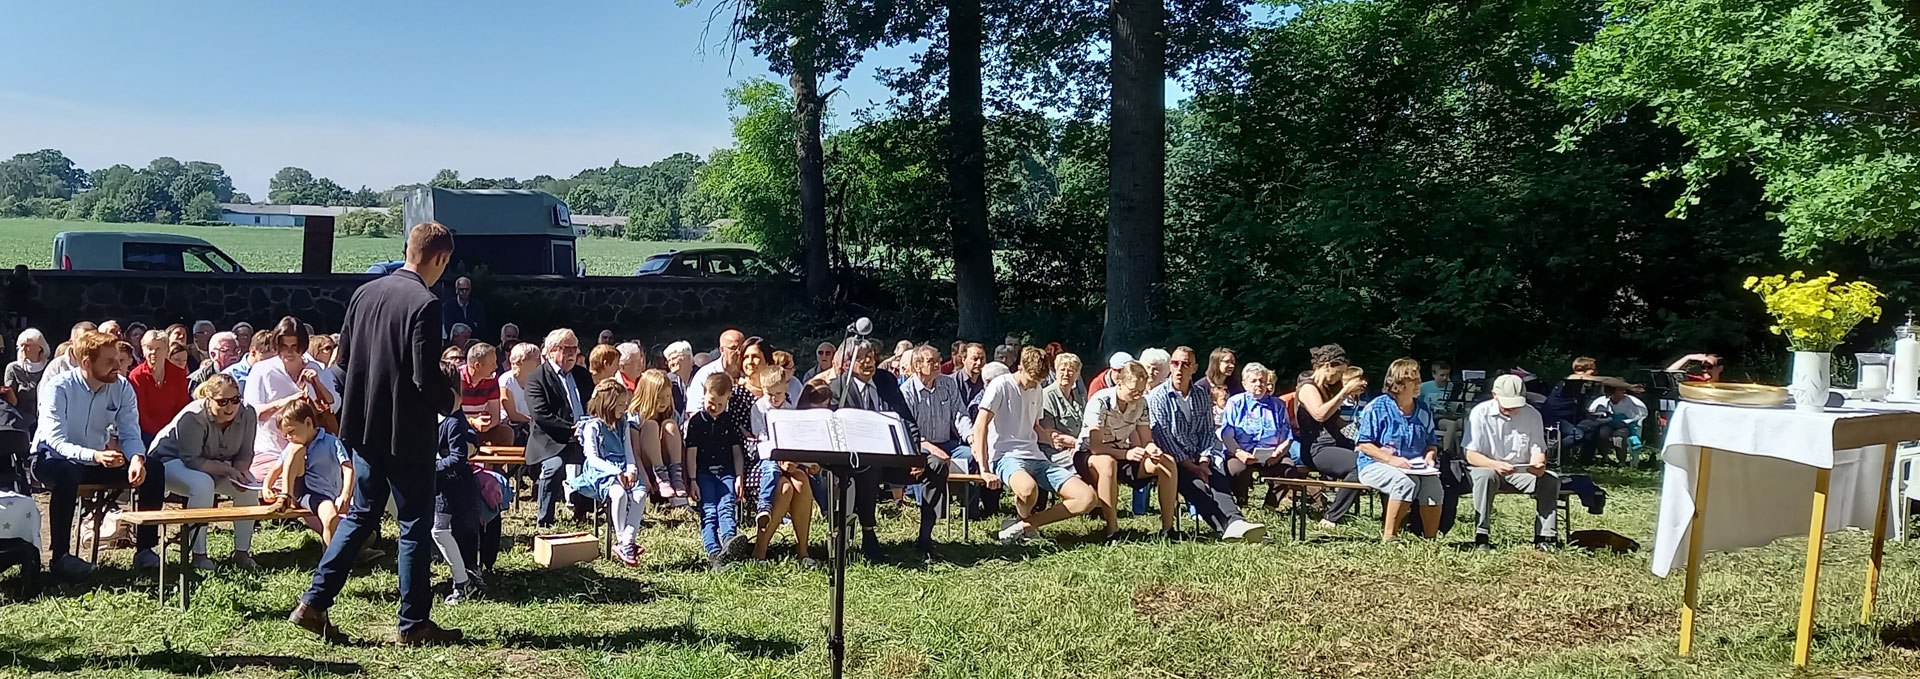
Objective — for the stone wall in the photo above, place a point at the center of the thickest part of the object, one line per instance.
(653, 309)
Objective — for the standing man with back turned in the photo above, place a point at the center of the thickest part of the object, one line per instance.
(394, 393)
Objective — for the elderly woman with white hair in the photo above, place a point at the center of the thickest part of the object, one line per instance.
(24, 374)
(1256, 436)
(1159, 365)
(522, 361)
(680, 367)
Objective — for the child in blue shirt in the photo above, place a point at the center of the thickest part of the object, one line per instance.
(612, 472)
(315, 473)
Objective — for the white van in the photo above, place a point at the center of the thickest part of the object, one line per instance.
(131, 251)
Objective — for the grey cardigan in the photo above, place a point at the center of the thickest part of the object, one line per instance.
(193, 437)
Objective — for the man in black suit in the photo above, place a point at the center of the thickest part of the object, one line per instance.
(555, 402)
(462, 309)
(868, 387)
(391, 400)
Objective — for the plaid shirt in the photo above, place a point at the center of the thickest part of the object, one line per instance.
(937, 410)
(1183, 423)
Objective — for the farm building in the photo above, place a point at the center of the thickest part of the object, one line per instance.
(249, 214)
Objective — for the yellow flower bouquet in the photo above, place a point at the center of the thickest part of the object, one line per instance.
(1815, 314)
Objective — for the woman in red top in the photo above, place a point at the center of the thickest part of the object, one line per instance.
(160, 384)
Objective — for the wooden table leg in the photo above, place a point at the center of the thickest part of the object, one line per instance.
(1810, 585)
(1879, 533)
(1690, 602)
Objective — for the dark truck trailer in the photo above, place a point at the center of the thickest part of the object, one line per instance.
(508, 231)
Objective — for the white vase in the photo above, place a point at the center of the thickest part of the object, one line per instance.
(1812, 380)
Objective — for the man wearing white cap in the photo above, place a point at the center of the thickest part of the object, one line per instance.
(1506, 447)
(1105, 378)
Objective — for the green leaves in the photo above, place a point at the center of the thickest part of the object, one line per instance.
(1818, 97)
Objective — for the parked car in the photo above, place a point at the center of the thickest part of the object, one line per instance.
(714, 262)
(133, 251)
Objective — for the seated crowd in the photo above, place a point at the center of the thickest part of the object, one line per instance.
(251, 415)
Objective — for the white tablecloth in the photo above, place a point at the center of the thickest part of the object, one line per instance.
(1760, 485)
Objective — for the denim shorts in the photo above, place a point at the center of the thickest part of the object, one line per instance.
(1048, 475)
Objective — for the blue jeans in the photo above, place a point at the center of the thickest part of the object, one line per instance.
(411, 483)
(769, 481)
(717, 501)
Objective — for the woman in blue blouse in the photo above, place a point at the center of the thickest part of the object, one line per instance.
(1256, 436)
(1397, 451)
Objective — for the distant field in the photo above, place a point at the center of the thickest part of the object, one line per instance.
(30, 242)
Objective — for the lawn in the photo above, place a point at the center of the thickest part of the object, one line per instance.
(30, 242)
(1340, 606)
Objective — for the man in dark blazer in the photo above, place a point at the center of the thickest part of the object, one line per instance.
(868, 387)
(391, 400)
(463, 309)
(556, 403)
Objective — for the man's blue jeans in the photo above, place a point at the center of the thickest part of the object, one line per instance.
(411, 483)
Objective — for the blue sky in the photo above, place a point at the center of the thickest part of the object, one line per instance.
(375, 93)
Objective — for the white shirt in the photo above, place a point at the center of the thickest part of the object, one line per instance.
(697, 391)
(1513, 439)
(1629, 408)
(269, 382)
(510, 383)
(1015, 410)
(572, 389)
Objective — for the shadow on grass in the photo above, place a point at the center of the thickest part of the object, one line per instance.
(574, 585)
(738, 644)
(1905, 635)
(27, 655)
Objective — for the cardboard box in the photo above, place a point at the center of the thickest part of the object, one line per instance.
(565, 549)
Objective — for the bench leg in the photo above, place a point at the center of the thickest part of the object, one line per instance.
(161, 580)
(186, 563)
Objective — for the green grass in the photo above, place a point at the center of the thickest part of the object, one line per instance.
(1340, 606)
(30, 242)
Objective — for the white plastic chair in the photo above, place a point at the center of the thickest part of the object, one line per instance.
(1902, 486)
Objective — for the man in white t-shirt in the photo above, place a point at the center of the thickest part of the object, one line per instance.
(1008, 422)
(1613, 420)
(1506, 447)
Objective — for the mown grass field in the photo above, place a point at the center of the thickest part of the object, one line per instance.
(30, 242)
(1340, 606)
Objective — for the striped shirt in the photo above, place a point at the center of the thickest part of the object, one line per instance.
(1183, 423)
(474, 396)
(937, 409)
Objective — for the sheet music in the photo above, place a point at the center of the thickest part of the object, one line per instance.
(802, 430)
(871, 432)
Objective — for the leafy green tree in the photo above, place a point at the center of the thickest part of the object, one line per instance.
(202, 206)
(446, 179)
(594, 199)
(365, 197)
(1817, 97)
(45, 173)
(296, 186)
(754, 178)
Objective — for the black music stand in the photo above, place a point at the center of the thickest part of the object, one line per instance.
(840, 473)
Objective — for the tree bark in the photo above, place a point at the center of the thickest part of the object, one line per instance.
(973, 274)
(1137, 158)
(812, 177)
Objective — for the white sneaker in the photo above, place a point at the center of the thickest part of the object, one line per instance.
(146, 559)
(1014, 531)
(1242, 530)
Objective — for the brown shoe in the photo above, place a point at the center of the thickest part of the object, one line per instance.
(315, 620)
(429, 634)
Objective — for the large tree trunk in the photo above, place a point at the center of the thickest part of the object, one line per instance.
(813, 182)
(967, 175)
(1137, 158)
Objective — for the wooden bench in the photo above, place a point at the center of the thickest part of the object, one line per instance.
(1297, 513)
(95, 499)
(192, 519)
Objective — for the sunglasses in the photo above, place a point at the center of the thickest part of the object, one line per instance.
(227, 402)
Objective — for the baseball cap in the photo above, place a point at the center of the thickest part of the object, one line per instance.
(1510, 391)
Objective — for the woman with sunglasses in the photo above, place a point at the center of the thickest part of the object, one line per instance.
(160, 384)
(207, 449)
